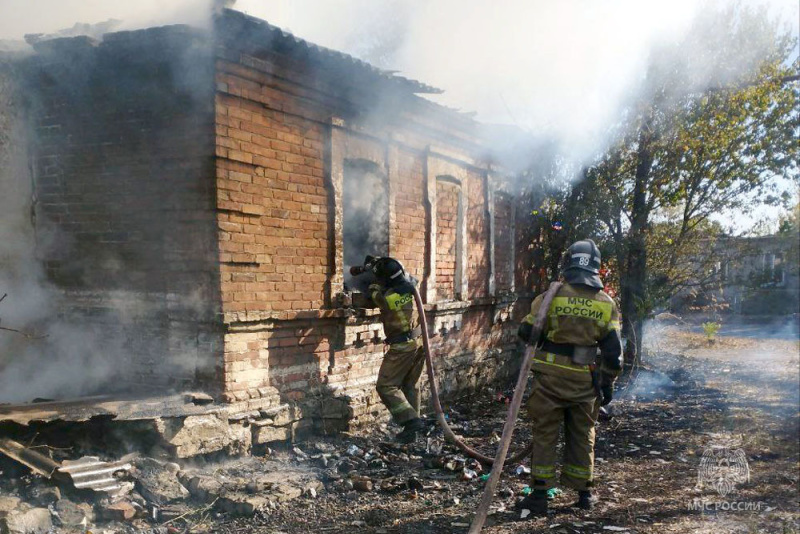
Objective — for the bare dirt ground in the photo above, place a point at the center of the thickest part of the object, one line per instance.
(689, 396)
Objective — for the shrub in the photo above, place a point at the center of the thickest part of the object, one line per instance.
(710, 329)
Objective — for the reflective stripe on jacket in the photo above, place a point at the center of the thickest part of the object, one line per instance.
(583, 316)
(398, 311)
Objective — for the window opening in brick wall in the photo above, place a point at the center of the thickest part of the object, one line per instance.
(503, 243)
(365, 218)
(449, 238)
(779, 274)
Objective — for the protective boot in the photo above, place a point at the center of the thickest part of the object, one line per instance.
(410, 430)
(586, 501)
(536, 502)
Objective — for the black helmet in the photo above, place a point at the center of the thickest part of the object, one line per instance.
(581, 264)
(388, 270)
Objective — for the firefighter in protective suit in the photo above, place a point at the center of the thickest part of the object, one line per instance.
(398, 377)
(570, 379)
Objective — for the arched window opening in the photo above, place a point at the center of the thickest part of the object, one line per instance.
(365, 218)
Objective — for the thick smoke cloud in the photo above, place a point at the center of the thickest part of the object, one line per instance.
(561, 70)
(21, 17)
(56, 353)
(366, 219)
(558, 69)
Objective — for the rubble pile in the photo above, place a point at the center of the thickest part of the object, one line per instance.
(370, 468)
(145, 494)
(150, 496)
(243, 487)
(428, 466)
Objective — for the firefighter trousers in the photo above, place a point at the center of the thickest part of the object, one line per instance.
(398, 380)
(555, 400)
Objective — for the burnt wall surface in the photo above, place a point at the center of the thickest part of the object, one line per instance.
(287, 127)
(124, 187)
(17, 238)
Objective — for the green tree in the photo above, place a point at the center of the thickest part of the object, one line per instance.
(689, 149)
(789, 222)
(552, 212)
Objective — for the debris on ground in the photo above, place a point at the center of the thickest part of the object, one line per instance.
(158, 482)
(647, 459)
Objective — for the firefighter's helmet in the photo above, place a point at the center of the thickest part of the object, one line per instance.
(388, 270)
(581, 264)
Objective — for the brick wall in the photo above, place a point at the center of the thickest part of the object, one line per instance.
(478, 354)
(124, 183)
(272, 212)
(504, 242)
(408, 240)
(283, 133)
(447, 200)
(272, 203)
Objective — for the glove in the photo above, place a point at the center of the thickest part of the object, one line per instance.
(608, 394)
(357, 270)
(524, 332)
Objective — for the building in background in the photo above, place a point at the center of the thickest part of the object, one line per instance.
(750, 276)
(759, 275)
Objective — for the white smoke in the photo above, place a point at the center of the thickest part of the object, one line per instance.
(21, 17)
(561, 70)
(558, 69)
(47, 350)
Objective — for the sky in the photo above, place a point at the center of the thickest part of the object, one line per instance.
(18, 17)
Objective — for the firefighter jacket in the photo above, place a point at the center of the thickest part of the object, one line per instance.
(580, 318)
(398, 312)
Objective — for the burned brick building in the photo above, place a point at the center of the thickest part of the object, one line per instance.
(200, 194)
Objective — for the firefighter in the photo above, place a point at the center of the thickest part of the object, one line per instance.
(398, 377)
(570, 380)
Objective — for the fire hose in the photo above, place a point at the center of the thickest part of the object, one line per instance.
(513, 408)
(437, 405)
